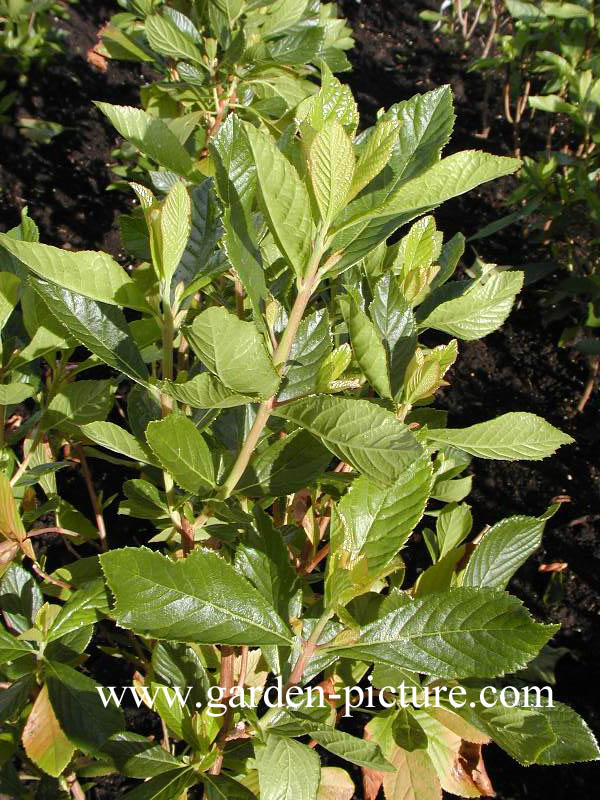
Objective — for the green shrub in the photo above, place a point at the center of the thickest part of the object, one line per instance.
(280, 373)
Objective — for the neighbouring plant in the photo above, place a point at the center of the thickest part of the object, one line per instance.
(213, 56)
(279, 362)
(547, 54)
(28, 32)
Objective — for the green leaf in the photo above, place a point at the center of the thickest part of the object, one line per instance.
(100, 327)
(453, 525)
(167, 39)
(287, 770)
(136, 757)
(12, 648)
(395, 323)
(287, 466)
(234, 351)
(262, 558)
(376, 154)
(13, 393)
(204, 391)
(78, 403)
(43, 739)
(458, 633)
(92, 274)
(510, 437)
(574, 740)
(378, 521)
(175, 228)
(503, 549)
(197, 259)
(309, 350)
(237, 184)
(452, 252)
(524, 733)
(480, 310)
(201, 599)
(75, 701)
(331, 168)
(361, 433)
(450, 177)
(83, 608)
(333, 101)
(118, 440)
(167, 786)
(285, 200)
(14, 698)
(408, 733)
(20, 598)
(10, 286)
(356, 751)
(367, 346)
(151, 136)
(282, 15)
(222, 787)
(182, 451)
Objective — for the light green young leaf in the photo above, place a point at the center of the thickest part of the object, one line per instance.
(361, 433)
(150, 135)
(285, 200)
(480, 310)
(510, 437)
(375, 155)
(453, 525)
(367, 346)
(333, 101)
(234, 351)
(281, 15)
(10, 286)
(287, 770)
(101, 328)
(331, 168)
(420, 247)
(118, 440)
(458, 633)
(175, 227)
(89, 273)
(503, 549)
(200, 599)
(182, 451)
(13, 393)
(378, 521)
(168, 40)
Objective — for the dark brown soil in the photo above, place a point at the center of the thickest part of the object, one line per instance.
(517, 368)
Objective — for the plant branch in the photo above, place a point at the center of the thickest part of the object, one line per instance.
(93, 497)
(308, 651)
(280, 358)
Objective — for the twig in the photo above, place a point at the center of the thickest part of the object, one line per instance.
(226, 683)
(75, 787)
(44, 575)
(589, 386)
(39, 531)
(243, 667)
(93, 498)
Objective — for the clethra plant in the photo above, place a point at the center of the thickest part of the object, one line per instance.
(280, 362)
(214, 56)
